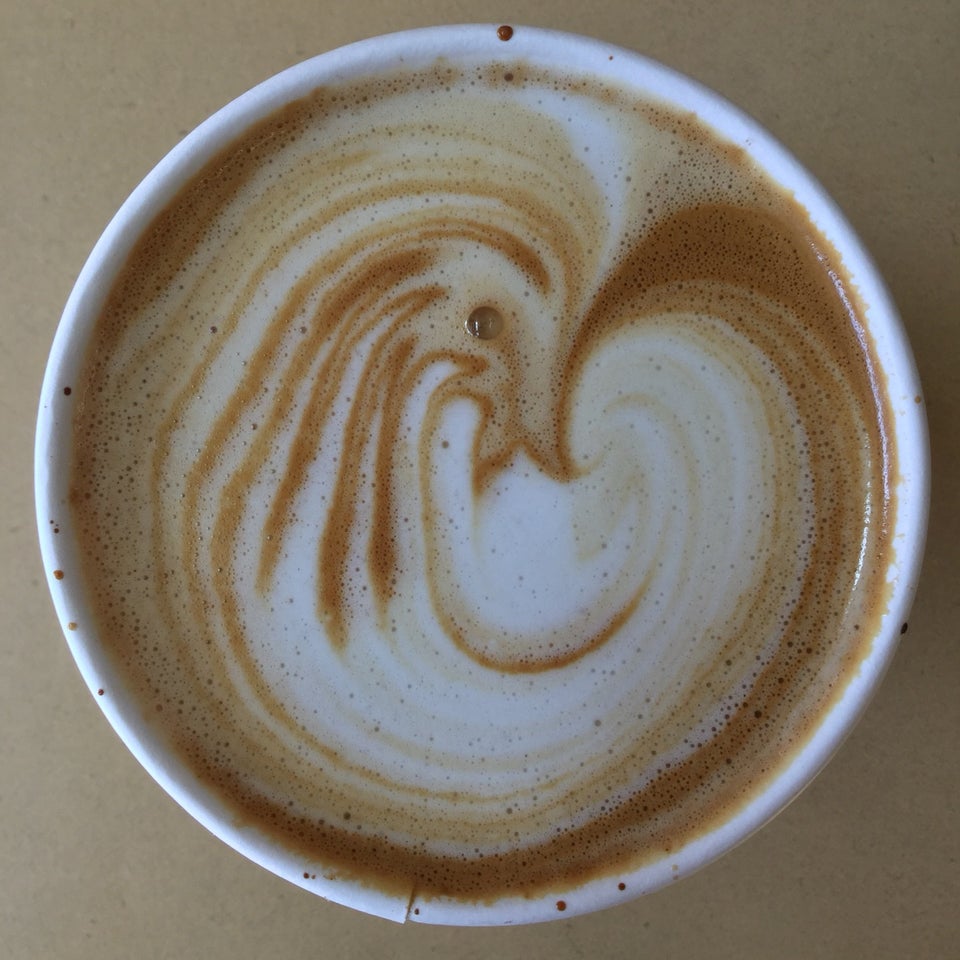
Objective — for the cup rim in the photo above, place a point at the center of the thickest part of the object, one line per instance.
(579, 54)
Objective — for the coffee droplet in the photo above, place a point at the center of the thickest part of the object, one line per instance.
(485, 323)
(505, 32)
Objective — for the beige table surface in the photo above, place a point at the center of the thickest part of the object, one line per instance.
(96, 861)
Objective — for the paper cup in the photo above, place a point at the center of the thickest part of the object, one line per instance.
(65, 560)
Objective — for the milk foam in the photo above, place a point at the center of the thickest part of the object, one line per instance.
(474, 615)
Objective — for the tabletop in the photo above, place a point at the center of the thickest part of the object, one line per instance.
(96, 861)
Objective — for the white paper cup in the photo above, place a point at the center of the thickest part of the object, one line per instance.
(54, 451)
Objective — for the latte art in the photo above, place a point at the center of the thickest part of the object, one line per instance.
(483, 478)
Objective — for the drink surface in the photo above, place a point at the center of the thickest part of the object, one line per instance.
(482, 478)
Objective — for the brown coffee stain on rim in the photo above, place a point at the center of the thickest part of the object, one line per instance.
(707, 253)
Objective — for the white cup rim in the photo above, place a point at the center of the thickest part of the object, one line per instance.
(580, 54)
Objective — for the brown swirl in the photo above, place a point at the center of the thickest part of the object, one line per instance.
(470, 614)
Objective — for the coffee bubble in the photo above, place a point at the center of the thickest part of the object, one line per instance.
(485, 323)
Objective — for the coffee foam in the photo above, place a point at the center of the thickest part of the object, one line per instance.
(479, 615)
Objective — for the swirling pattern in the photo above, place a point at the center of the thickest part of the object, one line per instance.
(474, 615)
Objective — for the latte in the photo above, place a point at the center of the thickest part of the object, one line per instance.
(482, 479)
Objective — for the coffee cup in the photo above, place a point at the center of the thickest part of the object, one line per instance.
(481, 475)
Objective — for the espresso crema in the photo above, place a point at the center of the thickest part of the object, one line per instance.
(481, 478)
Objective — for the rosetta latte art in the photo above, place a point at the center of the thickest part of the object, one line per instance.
(475, 611)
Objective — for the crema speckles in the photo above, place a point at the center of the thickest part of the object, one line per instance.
(481, 476)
